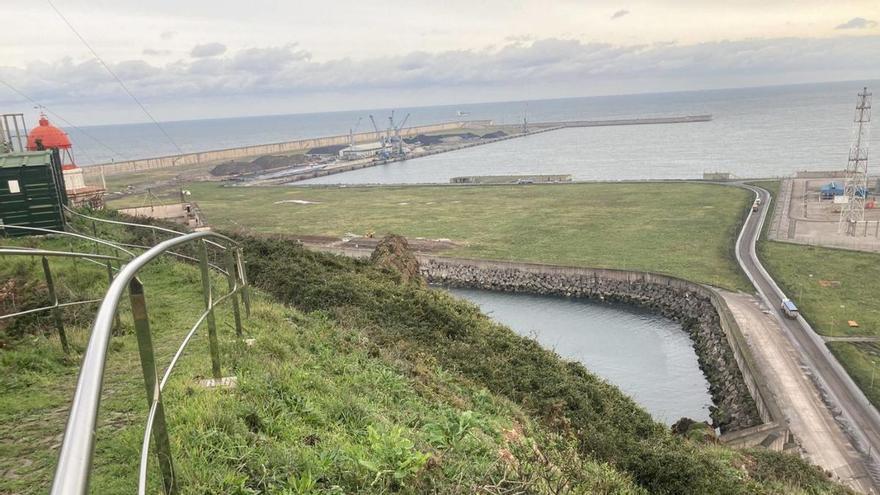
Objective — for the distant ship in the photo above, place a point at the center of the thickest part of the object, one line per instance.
(462, 114)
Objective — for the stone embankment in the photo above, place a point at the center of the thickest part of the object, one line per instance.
(685, 302)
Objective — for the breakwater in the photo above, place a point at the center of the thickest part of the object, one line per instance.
(202, 157)
(197, 158)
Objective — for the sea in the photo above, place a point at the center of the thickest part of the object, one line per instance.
(755, 132)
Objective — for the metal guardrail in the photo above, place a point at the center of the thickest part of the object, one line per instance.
(56, 305)
(75, 459)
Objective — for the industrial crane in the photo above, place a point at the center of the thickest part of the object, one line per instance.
(400, 151)
(378, 135)
(351, 133)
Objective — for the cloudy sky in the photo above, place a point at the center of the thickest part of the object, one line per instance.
(198, 58)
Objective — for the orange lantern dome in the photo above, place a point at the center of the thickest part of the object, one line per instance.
(48, 134)
(51, 137)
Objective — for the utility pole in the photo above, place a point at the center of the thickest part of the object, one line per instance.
(856, 185)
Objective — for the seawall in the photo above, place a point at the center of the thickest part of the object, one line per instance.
(685, 302)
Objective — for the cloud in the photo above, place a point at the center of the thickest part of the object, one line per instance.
(620, 13)
(167, 34)
(208, 50)
(153, 52)
(288, 70)
(857, 23)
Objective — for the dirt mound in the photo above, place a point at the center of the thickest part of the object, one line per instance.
(332, 149)
(393, 254)
(261, 164)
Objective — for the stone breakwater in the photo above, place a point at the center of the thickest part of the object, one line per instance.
(734, 408)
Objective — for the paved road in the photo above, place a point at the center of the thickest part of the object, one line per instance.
(852, 410)
(823, 441)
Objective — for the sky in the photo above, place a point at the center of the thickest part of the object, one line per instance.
(222, 58)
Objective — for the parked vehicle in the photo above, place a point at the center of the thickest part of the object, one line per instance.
(789, 309)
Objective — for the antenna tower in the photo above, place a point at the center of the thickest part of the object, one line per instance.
(856, 185)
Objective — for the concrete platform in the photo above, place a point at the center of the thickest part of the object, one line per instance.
(803, 217)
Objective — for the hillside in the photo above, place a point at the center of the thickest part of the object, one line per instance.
(356, 383)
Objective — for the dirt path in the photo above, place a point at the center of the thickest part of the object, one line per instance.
(819, 435)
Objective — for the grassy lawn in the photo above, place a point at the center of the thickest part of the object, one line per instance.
(686, 230)
(862, 362)
(830, 286)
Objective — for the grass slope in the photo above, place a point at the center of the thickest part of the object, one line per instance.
(415, 323)
(319, 408)
(682, 229)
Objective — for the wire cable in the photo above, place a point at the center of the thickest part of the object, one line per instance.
(62, 119)
(124, 87)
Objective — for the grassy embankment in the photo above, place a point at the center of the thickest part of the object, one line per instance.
(318, 409)
(685, 230)
(369, 386)
(830, 287)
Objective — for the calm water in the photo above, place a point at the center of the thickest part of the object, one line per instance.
(762, 132)
(755, 132)
(649, 357)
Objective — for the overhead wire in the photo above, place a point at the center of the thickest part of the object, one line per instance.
(118, 79)
(62, 119)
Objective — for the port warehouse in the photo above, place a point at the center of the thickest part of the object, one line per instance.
(31, 191)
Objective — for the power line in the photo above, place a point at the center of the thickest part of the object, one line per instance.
(62, 119)
(124, 87)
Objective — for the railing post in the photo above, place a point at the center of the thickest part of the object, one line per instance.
(213, 345)
(232, 278)
(56, 311)
(242, 275)
(151, 383)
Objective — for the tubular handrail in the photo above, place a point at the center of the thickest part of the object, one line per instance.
(63, 254)
(145, 226)
(56, 305)
(75, 458)
(71, 234)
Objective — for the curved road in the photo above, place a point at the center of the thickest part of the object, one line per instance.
(851, 408)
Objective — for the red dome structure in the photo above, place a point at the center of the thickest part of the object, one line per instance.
(51, 137)
(48, 134)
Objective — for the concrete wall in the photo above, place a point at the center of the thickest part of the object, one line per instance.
(263, 149)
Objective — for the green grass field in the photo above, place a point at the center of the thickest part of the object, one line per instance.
(686, 230)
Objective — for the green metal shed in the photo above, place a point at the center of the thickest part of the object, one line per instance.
(31, 192)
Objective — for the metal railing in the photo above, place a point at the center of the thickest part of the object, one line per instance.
(75, 459)
(56, 305)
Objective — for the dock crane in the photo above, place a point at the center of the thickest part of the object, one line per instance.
(379, 136)
(400, 151)
(351, 133)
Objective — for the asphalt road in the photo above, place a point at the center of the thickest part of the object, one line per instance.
(859, 419)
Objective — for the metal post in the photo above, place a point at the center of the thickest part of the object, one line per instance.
(151, 383)
(232, 278)
(213, 345)
(242, 275)
(56, 311)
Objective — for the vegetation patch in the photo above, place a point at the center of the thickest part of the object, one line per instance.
(681, 229)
